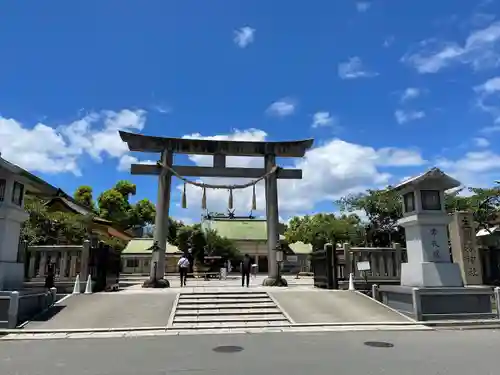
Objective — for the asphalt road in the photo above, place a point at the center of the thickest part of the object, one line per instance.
(339, 353)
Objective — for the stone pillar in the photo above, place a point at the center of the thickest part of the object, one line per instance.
(271, 189)
(63, 264)
(398, 259)
(347, 259)
(31, 265)
(161, 219)
(464, 247)
(72, 265)
(84, 260)
(43, 264)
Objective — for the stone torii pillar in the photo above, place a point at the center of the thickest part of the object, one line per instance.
(272, 216)
(157, 273)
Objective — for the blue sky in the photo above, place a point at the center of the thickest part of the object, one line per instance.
(386, 88)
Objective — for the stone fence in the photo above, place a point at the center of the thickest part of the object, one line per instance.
(385, 263)
(69, 260)
(17, 307)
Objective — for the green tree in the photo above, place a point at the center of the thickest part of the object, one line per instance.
(83, 196)
(114, 205)
(383, 209)
(221, 246)
(183, 238)
(198, 244)
(320, 229)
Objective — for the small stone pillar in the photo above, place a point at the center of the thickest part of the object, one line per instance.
(464, 247)
(426, 225)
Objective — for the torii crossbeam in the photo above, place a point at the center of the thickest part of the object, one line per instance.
(219, 150)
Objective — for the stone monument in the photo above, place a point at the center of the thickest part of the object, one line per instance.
(431, 284)
(219, 149)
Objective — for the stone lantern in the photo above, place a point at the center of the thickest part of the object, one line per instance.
(426, 227)
(431, 285)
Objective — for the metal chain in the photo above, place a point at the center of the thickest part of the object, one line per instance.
(210, 186)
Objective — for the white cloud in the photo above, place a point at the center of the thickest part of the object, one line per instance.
(126, 161)
(353, 68)
(362, 6)
(282, 108)
(244, 36)
(481, 142)
(491, 86)
(321, 119)
(59, 148)
(330, 171)
(480, 50)
(403, 117)
(388, 41)
(479, 168)
(410, 93)
(489, 99)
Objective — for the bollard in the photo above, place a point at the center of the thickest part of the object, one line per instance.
(351, 281)
(13, 311)
(76, 288)
(375, 294)
(496, 292)
(88, 287)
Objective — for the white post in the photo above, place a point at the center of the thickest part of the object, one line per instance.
(351, 282)
(76, 288)
(88, 287)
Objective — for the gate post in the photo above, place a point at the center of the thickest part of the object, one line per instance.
(331, 274)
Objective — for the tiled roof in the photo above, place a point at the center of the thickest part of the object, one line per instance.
(238, 229)
(142, 246)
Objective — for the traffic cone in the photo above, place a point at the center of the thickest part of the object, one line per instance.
(351, 281)
(76, 288)
(88, 287)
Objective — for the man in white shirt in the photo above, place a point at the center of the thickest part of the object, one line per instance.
(183, 265)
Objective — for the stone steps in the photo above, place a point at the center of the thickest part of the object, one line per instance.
(227, 309)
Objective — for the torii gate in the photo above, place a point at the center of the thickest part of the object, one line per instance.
(219, 150)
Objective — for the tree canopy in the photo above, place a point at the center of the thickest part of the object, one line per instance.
(320, 229)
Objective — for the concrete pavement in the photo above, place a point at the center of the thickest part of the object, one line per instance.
(339, 353)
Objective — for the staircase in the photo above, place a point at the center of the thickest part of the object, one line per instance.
(227, 310)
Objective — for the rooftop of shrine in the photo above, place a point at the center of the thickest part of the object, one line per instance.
(146, 143)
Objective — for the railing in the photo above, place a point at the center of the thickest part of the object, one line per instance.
(68, 261)
(385, 263)
(16, 307)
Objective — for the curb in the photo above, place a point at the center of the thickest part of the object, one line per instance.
(429, 325)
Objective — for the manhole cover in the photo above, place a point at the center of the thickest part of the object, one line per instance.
(379, 344)
(227, 349)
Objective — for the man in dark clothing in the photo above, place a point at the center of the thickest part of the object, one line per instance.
(246, 265)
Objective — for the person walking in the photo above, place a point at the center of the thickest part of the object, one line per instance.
(183, 265)
(246, 265)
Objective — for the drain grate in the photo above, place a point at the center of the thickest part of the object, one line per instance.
(227, 349)
(379, 344)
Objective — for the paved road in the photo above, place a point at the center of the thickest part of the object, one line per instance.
(107, 310)
(339, 353)
(334, 306)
